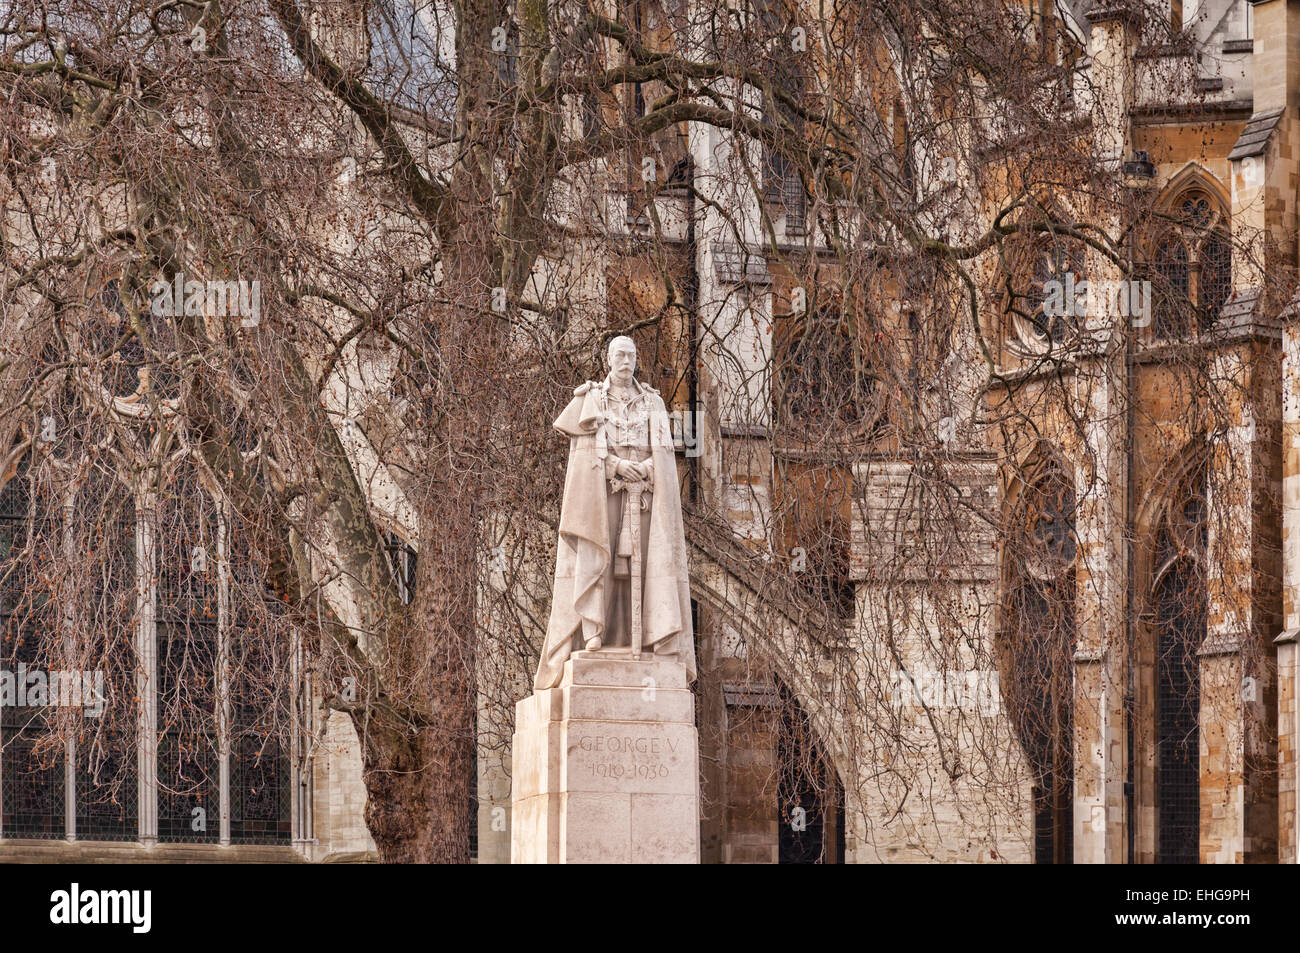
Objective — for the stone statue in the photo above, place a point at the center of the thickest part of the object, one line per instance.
(621, 579)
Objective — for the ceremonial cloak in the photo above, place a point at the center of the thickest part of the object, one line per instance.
(580, 594)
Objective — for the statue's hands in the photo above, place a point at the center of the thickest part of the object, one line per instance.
(633, 471)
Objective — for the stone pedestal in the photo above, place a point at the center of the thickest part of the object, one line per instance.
(605, 766)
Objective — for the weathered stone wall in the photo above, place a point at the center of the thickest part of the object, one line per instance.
(340, 794)
(939, 774)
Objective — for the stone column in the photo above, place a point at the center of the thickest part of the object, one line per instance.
(605, 765)
(1237, 801)
(1100, 660)
(146, 674)
(1288, 730)
(1265, 162)
(1101, 483)
(1288, 647)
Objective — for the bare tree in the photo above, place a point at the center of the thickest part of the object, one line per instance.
(448, 209)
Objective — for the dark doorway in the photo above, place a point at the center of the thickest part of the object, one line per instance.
(810, 799)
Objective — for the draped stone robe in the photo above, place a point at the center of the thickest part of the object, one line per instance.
(589, 598)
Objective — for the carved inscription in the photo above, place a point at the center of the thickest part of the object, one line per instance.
(628, 756)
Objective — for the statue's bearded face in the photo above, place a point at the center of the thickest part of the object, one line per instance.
(622, 361)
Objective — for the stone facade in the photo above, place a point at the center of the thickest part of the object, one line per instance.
(926, 770)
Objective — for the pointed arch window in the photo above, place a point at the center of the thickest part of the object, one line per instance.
(1179, 604)
(153, 610)
(1191, 264)
(1038, 649)
(810, 797)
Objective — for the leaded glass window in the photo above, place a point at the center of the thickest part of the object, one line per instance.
(1191, 265)
(1038, 647)
(781, 181)
(1172, 288)
(187, 635)
(128, 367)
(101, 753)
(825, 389)
(1216, 276)
(106, 749)
(149, 613)
(32, 762)
(1179, 602)
(260, 777)
(1042, 307)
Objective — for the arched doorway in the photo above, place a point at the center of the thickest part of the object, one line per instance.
(810, 798)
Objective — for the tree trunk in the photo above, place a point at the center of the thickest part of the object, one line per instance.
(420, 744)
(418, 794)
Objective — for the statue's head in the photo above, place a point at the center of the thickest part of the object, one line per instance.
(621, 358)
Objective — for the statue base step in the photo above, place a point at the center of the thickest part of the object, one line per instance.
(605, 765)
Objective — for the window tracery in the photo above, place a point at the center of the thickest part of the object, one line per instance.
(1039, 643)
(1191, 264)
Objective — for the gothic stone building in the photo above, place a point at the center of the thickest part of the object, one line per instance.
(1152, 590)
